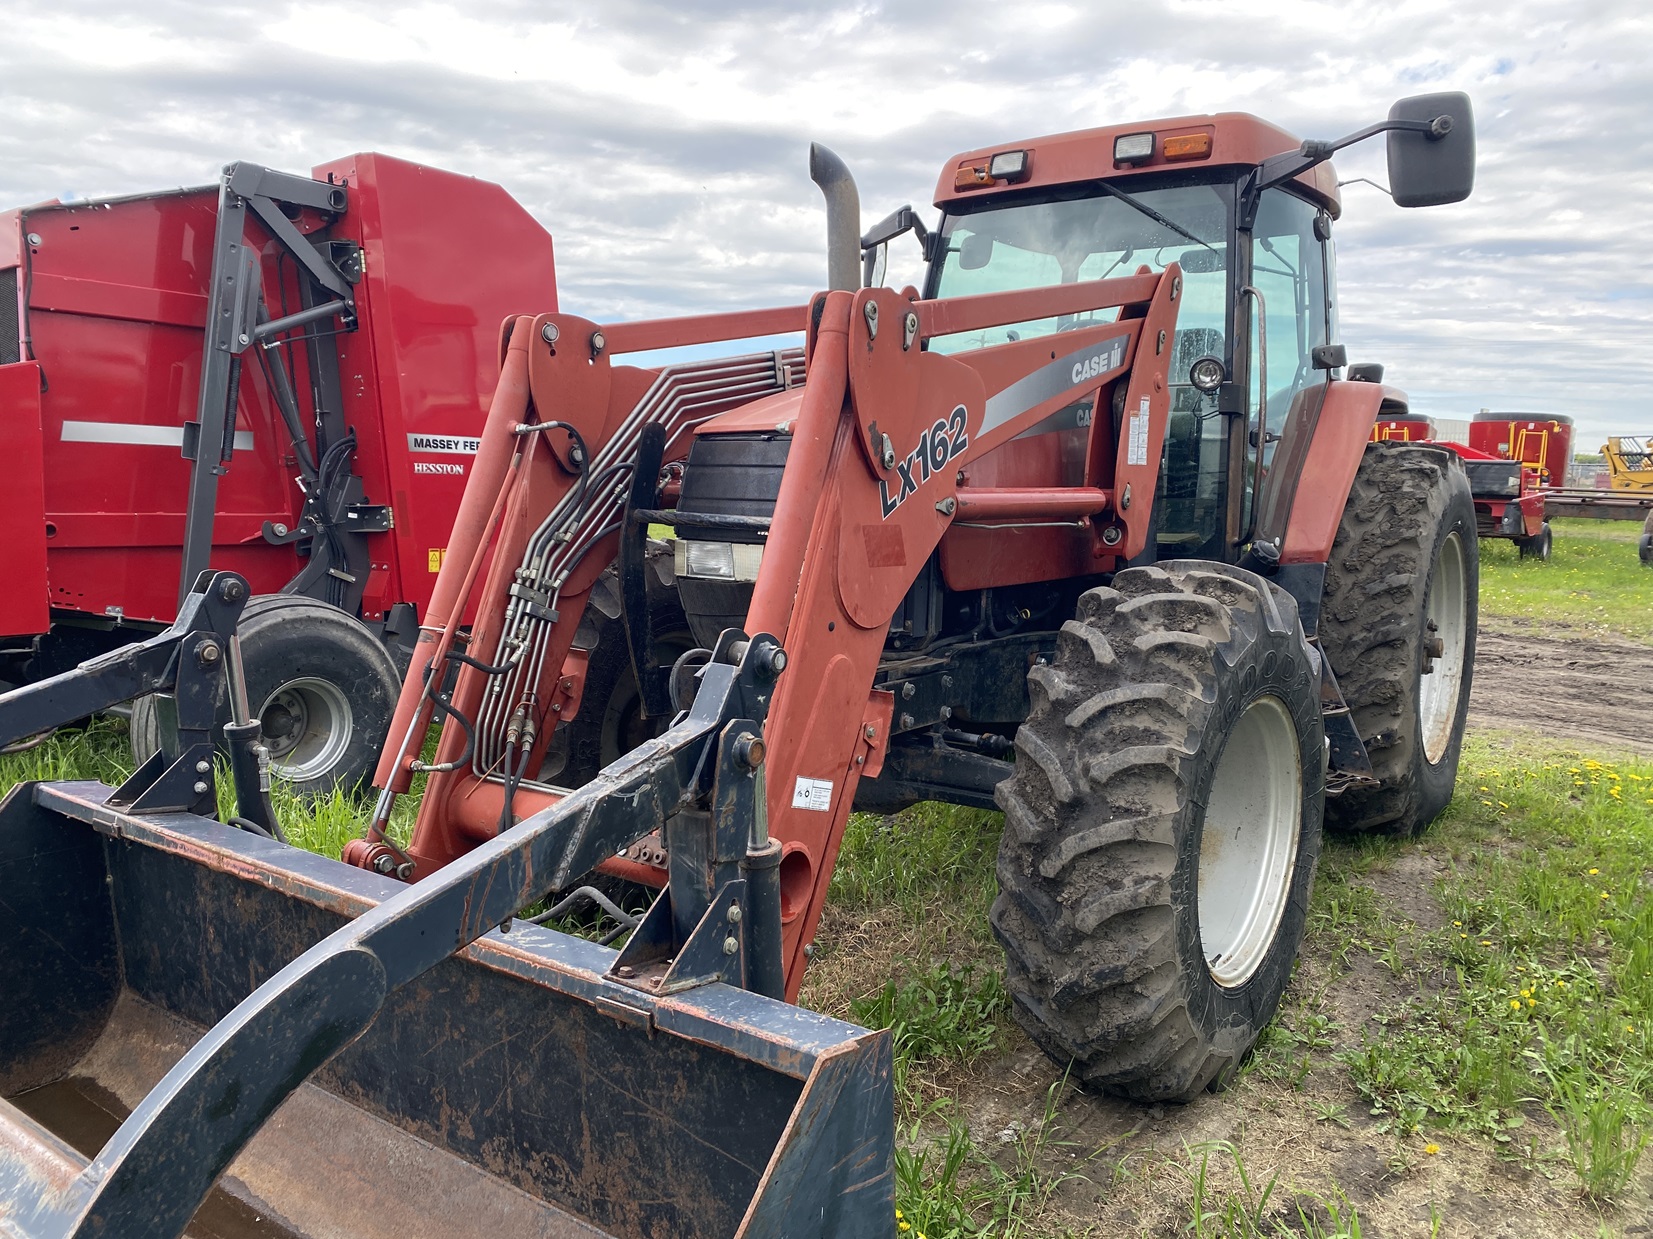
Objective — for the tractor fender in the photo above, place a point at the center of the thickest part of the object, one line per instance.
(1337, 438)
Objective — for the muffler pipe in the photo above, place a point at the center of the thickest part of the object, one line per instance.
(843, 203)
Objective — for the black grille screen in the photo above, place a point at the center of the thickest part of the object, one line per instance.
(1493, 479)
(10, 348)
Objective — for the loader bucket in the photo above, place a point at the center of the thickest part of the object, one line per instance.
(511, 1090)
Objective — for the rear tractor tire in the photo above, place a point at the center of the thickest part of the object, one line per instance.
(1397, 621)
(1644, 547)
(1162, 826)
(323, 686)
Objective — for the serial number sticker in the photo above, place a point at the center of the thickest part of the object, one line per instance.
(814, 794)
(1136, 452)
(437, 554)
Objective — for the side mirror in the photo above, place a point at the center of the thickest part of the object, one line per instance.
(1434, 165)
(1202, 261)
(875, 264)
(976, 252)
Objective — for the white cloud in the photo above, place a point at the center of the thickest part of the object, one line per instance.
(664, 145)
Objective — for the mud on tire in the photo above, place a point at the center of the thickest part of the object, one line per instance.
(1407, 531)
(1108, 834)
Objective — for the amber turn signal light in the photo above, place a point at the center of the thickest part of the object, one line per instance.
(1187, 146)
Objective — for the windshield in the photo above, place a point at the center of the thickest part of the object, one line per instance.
(1031, 244)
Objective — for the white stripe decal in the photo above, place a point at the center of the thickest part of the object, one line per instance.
(1089, 361)
(139, 436)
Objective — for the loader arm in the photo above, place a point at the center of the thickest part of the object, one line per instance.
(881, 430)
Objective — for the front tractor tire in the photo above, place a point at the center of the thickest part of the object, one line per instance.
(1162, 826)
(1397, 621)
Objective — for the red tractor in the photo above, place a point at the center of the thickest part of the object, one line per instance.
(315, 440)
(1088, 527)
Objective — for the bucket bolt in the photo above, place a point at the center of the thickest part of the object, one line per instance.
(749, 751)
(208, 652)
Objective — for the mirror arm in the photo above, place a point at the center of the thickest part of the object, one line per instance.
(892, 226)
(1277, 169)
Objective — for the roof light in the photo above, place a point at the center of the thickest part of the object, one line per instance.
(1008, 166)
(972, 176)
(1133, 148)
(1187, 146)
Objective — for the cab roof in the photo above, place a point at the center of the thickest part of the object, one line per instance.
(1237, 139)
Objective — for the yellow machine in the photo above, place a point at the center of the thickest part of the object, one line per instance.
(1630, 463)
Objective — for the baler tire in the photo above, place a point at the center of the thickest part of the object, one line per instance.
(1409, 523)
(1104, 852)
(323, 685)
(1538, 546)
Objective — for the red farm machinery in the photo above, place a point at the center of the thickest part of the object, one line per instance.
(1516, 463)
(280, 376)
(1089, 528)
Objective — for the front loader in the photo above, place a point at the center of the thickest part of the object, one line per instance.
(1091, 529)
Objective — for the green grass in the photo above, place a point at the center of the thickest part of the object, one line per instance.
(1243, 1206)
(1538, 992)
(1593, 580)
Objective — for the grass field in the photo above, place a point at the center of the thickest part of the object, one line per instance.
(1466, 1047)
(1593, 581)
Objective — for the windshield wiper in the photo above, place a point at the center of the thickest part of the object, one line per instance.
(1108, 187)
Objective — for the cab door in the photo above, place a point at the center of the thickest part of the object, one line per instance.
(1287, 306)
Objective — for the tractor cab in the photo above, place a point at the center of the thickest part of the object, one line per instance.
(1246, 211)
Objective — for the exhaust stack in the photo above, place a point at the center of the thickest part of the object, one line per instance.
(843, 202)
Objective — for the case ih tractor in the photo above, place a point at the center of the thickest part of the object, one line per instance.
(325, 420)
(1088, 528)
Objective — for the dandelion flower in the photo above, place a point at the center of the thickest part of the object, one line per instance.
(905, 1227)
(1532, 1002)
(1594, 871)
(1432, 1148)
(1515, 1004)
(1486, 942)
(1605, 895)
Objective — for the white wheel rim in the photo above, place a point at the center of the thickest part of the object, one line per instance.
(1248, 845)
(307, 728)
(1441, 678)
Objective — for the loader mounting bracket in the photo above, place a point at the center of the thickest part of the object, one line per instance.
(188, 668)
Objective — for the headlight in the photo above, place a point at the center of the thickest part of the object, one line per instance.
(1206, 374)
(718, 561)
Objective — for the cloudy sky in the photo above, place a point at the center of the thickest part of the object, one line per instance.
(664, 145)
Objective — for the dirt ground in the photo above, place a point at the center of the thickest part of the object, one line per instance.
(1132, 1163)
(1568, 686)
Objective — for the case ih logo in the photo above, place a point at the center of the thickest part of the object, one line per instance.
(458, 445)
(936, 446)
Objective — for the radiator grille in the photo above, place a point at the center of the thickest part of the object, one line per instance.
(11, 350)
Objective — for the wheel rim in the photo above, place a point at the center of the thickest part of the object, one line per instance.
(1248, 844)
(1441, 677)
(307, 728)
